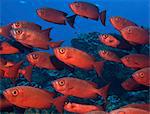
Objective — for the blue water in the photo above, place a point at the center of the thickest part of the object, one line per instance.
(135, 10)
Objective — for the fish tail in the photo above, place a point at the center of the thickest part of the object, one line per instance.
(59, 103)
(71, 20)
(104, 91)
(99, 67)
(102, 17)
(56, 44)
(27, 72)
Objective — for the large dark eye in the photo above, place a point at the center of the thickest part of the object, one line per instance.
(35, 56)
(15, 92)
(18, 32)
(104, 36)
(141, 74)
(62, 50)
(129, 30)
(61, 83)
(17, 24)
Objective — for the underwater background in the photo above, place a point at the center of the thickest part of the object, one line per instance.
(83, 37)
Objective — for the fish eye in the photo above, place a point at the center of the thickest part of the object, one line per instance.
(62, 50)
(104, 52)
(15, 92)
(61, 83)
(129, 31)
(121, 112)
(18, 32)
(104, 36)
(17, 24)
(141, 74)
(35, 56)
(110, 41)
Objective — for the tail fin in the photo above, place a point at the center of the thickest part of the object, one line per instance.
(59, 103)
(102, 17)
(27, 72)
(99, 67)
(71, 20)
(103, 91)
(56, 44)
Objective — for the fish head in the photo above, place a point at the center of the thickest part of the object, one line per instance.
(75, 6)
(71, 107)
(17, 25)
(127, 32)
(126, 60)
(18, 34)
(103, 53)
(41, 12)
(61, 85)
(33, 57)
(14, 95)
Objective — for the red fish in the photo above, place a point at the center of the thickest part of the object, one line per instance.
(32, 38)
(136, 61)
(75, 87)
(142, 76)
(5, 31)
(139, 106)
(129, 111)
(25, 24)
(80, 108)
(88, 10)
(73, 57)
(56, 44)
(119, 22)
(31, 97)
(135, 35)
(109, 55)
(55, 16)
(6, 48)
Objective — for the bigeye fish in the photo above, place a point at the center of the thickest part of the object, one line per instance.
(25, 24)
(135, 35)
(136, 61)
(5, 31)
(6, 48)
(119, 22)
(88, 10)
(31, 97)
(75, 57)
(55, 16)
(74, 87)
(81, 108)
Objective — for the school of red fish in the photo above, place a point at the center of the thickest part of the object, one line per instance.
(31, 35)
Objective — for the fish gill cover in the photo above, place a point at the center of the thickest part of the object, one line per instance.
(50, 49)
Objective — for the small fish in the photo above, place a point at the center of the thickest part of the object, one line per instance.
(5, 31)
(6, 48)
(135, 35)
(80, 108)
(32, 38)
(55, 16)
(73, 57)
(136, 61)
(109, 55)
(139, 106)
(88, 10)
(120, 23)
(56, 44)
(142, 76)
(25, 24)
(129, 111)
(75, 87)
(31, 97)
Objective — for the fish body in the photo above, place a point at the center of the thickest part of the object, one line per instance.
(25, 24)
(88, 10)
(135, 35)
(75, 87)
(142, 76)
(75, 57)
(136, 61)
(119, 22)
(5, 31)
(6, 48)
(32, 38)
(31, 97)
(80, 108)
(55, 16)
(109, 55)
(129, 111)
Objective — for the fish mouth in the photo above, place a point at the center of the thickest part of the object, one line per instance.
(5, 93)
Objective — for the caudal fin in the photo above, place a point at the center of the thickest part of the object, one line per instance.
(27, 72)
(56, 44)
(102, 17)
(71, 20)
(59, 103)
(103, 91)
(99, 67)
